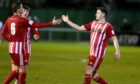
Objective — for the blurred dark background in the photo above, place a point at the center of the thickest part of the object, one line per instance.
(124, 15)
(81, 11)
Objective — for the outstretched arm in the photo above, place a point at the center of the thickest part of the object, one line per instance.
(65, 18)
(46, 24)
(116, 45)
(26, 23)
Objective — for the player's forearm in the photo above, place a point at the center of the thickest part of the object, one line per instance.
(73, 25)
(42, 25)
(35, 31)
(116, 44)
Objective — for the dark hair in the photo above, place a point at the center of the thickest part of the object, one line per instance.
(27, 8)
(102, 10)
(16, 6)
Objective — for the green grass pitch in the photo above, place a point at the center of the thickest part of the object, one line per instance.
(65, 63)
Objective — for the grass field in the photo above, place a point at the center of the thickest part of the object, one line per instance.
(64, 63)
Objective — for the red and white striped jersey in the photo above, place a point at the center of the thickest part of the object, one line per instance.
(17, 47)
(99, 35)
(15, 29)
(27, 42)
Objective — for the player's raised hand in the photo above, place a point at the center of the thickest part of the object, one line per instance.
(56, 21)
(65, 18)
(118, 55)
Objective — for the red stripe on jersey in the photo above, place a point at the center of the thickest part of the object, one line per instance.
(20, 53)
(14, 47)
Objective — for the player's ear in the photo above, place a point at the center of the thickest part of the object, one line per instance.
(104, 14)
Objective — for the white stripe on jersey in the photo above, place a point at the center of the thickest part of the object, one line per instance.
(28, 33)
(101, 46)
(20, 53)
(20, 47)
(104, 53)
(93, 40)
(28, 41)
(100, 38)
(28, 48)
(16, 49)
(11, 47)
(91, 43)
(92, 26)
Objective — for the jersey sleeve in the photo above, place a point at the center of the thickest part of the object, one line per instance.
(34, 30)
(88, 26)
(26, 23)
(110, 31)
(40, 25)
(5, 32)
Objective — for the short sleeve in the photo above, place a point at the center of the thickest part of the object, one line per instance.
(110, 31)
(34, 30)
(88, 26)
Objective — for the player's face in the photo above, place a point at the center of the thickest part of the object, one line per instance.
(99, 15)
(25, 13)
(19, 11)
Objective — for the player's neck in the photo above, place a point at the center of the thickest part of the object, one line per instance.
(15, 13)
(102, 20)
